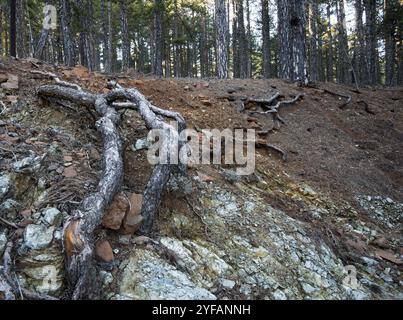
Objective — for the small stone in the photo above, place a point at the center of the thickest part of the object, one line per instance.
(381, 242)
(205, 178)
(206, 102)
(389, 200)
(67, 164)
(94, 154)
(5, 186)
(104, 251)
(10, 208)
(69, 172)
(67, 158)
(125, 239)
(12, 99)
(38, 236)
(52, 217)
(26, 213)
(12, 82)
(28, 164)
(133, 219)
(3, 242)
(308, 288)
(228, 284)
(116, 212)
(141, 144)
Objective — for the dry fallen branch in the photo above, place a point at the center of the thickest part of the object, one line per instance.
(79, 229)
(339, 95)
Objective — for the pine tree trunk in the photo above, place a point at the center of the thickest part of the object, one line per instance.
(313, 41)
(21, 50)
(65, 24)
(298, 23)
(342, 45)
(330, 65)
(158, 40)
(125, 35)
(248, 41)
(13, 28)
(370, 13)
(390, 18)
(106, 13)
(361, 63)
(284, 37)
(241, 44)
(266, 39)
(221, 39)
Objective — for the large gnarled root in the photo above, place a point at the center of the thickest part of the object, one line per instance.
(78, 231)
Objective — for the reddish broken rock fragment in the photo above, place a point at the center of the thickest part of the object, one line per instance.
(116, 212)
(69, 172)
(104, 251)
(133, 219)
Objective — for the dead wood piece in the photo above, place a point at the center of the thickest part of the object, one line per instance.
(267, 101)
(349, 98)
(260, 143)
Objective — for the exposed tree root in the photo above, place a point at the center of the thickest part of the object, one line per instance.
(261, 143)
(79, 229)
(347, 97)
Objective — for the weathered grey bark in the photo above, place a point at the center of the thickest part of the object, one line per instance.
(360, 55)
(370, 13)
(313, 41)
(390, 32)
(329, 65)
(240, 41)
(40, 46)
(158, 39)
(79, 229)
(65, 25)
(13, 29)
(291, 31)
(266, 39)
(106, 12)
(344, 75)
(248, 42)
(21, 29)
(221, 39)
(284, 35)
(125, 35)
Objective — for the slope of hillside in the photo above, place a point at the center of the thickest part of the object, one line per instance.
(324, 224)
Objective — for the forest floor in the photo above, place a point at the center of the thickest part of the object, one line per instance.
(288, 231)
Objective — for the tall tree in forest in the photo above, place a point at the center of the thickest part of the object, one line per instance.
(65, 25)
(284, 36)
(240, 42)
(391, 8)
(125, 35)
(158, 39)
(313, 41)
(266, 39)
(343, 68)
(13, 28)
(20, 15)
(359, 47)
(106, 16)
(291, 32)
(221, 39)
(43, 37)
(329, 65)
(370, 15)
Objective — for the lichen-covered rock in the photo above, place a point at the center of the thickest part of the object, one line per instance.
(43, 271)
(147, 276)
(6, 183)
(9, 208)
(38, 236)
(52, 217)
(3, 242)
